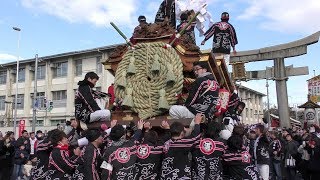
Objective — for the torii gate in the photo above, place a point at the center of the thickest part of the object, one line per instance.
(280, 72)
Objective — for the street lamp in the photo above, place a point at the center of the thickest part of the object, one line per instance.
(17, 79)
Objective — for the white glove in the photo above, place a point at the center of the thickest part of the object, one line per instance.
(83, 142)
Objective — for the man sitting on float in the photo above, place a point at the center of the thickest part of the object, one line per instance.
(203, 95)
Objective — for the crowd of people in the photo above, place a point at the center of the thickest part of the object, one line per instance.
(18, 156)
(173, 152)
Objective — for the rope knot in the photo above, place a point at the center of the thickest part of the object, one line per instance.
(122, 81)
(171, 78)
(155, 65)
(131, 67)
(128, 101)
(163, 103)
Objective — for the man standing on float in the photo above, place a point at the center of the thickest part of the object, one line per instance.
(224, 38)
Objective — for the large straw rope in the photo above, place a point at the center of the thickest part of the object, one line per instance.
(145, 83)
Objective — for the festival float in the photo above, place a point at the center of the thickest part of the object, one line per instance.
(154, 69)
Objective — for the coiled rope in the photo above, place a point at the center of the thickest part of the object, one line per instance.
(148, 79)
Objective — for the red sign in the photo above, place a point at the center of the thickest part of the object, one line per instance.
(22, 125)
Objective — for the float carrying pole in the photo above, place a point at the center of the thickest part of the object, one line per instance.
(121, 34)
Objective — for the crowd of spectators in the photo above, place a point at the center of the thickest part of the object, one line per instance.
(143, 152)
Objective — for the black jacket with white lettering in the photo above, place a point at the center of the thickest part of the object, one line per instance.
(261, 148)
(84, 101)
(40, 171)
(149, 161)
(201, 99)
(206, 159)
(176, 163)
(119, 159)
(150, 155)
(225, 37)
(61, 165)
(89, 164)
(238, 165)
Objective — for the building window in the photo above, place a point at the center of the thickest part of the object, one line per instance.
(22, 74)
(2, 102)
(41, 73)
(59, 95)
(78, 70)
(58, 121)
(3, 77)
(38, 123)
(60, 69)
(41, 101)
(99, 65)
(59, 98)
(20, 101)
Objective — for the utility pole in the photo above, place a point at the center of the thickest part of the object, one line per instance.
(268, 102)
(17, 82)
(35, 95)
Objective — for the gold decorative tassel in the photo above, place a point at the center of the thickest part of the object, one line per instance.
(122, 82)
(131, 67)
(128, 101)
(171, 78)
(163, 103)
(156, 65)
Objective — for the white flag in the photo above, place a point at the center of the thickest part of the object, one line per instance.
(195, 5)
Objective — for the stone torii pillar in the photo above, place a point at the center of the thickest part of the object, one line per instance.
(280, 74)
(282, 94)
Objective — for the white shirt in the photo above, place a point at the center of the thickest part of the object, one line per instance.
(32, 142)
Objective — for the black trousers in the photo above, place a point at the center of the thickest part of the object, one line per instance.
(6, 172)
